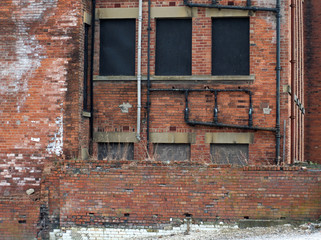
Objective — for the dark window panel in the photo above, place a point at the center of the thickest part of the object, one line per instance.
(230, 46)
(173, 47)
(117, 47)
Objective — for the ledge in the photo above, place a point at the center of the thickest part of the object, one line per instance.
(229, 138)
(156, 12)
(116, 13)
(173, 137)
(178, 78)
(173, 12)
(118, 137)
(215, 12)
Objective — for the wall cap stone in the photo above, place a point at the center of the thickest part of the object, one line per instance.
(173, 137)
(118, 137)
(229, 138)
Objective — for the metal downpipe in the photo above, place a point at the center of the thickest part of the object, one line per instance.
(148, 76)
(139, 67)
(278, 79)
(91, 121)
(293, 85)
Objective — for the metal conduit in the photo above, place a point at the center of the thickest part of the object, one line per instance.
(148, 75)
(91, 121)
(214, 5)
(215, 122)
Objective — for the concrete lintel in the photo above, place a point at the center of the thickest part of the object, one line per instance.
(173, 12)
(116, 13)
(229, 138)
(156, 12)
(215, 12)
(87, 18)
(173, 137)
(178, 78)
(118, 137)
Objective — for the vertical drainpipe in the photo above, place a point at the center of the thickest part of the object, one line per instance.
(91, 124)
(139, 66)
(148, 75)
(293, 85)
(278, 79)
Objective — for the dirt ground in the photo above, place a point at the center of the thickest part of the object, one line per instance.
(308, 231)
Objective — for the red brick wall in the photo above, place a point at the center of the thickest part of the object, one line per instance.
(19, 217)
(312, 80)
(167, 108)
(100, 193)
(40, 89)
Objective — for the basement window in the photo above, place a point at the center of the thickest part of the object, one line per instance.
(172, 152)
(230, 46)
(173, 47)
(117, 47)
(115, 151)
(233, 154)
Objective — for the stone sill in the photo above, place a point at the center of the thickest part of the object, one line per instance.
(237, 78)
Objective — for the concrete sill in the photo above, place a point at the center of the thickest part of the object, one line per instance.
(236, 78)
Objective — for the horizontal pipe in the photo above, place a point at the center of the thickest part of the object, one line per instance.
(229, 126)
(252, 8)
(186, 117)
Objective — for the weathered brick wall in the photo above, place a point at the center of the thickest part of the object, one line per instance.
(41, 101)
(312, 80)
(40, 91)
(167, 108)
(100, 193)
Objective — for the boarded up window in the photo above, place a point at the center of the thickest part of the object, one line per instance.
(173, 47)
(117, 47)
(230, 46)
(234, 154)
(115, 151)
(172, 152)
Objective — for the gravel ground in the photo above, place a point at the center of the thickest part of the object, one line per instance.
(309, 231)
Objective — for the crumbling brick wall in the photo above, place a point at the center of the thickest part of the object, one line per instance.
(100, 193)
(41, 102)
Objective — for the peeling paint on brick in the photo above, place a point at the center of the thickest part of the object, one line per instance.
(27, 50)
(57, 141)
